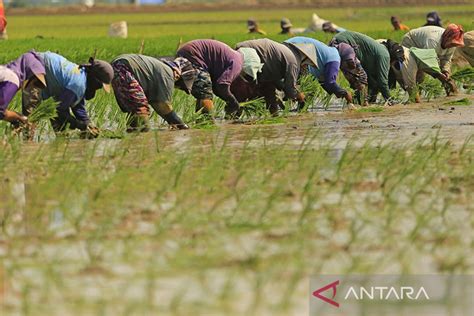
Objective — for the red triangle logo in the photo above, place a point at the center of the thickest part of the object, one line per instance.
(326, 299)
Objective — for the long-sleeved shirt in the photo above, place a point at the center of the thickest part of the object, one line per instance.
(468, 50)
(65, 83)
(430, 37)
(155, 77)
(222, 62)
(279, 64)
(9, 85)
(329, 62)
(374, 58)
(416, 60)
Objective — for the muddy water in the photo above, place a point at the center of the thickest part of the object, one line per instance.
(396, 124)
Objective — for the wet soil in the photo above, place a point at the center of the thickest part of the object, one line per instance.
(396, 124)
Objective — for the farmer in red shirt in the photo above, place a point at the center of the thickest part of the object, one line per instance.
(3, 22)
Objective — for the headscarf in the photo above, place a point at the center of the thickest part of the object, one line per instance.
(357, 77)
(28, 65)
(396, 52)
(252, 63)
(346, 51)
(454, 34)
(183, 70)
(394, 19)
(433, 18)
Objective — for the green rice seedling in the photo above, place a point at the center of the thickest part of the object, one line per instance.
(254, 109)
(463, 101)
(465, 75)
(45, 111)
(430, 88)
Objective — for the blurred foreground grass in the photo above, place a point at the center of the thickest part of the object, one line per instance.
(231, 223)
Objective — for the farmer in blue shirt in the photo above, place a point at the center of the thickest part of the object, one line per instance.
(327, 69)
(70, 85)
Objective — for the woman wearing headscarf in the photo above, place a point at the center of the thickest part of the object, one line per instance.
(328, 64)
(70, 85)
(28, 72)
(373, 57)
(353, 72)
(140, 81)
(217, 67)
(433, 19)
(468, 50)
(443, 41)
(281, 67)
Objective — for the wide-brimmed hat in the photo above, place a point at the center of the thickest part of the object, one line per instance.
(285, 23)
(308, 51)
(252, 63)
(251, 24)
(41, 78)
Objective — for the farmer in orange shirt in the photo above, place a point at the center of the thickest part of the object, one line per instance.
(3, 22)
(397, 24)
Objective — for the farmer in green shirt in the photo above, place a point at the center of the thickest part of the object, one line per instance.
(140, 81)
(374, 58)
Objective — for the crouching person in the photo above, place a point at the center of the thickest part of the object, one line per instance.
(444, 42)
(26, 72)
(328, 64)
(70, 85)
(280, 70)
(409, 71)
(140, 81)
(353, 72)
(218, 66)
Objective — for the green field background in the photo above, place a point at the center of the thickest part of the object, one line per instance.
(78, 36)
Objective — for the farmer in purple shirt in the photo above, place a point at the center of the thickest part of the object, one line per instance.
(218, 66)
(26, 71)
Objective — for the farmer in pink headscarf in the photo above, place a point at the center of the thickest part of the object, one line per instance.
(3, 22)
